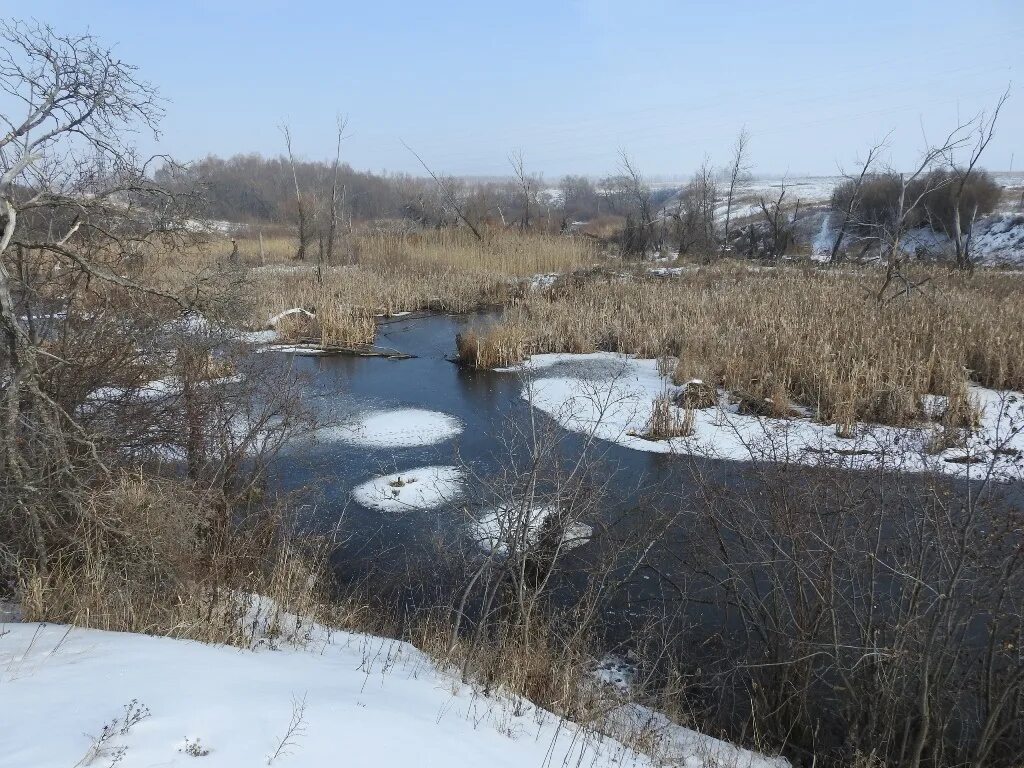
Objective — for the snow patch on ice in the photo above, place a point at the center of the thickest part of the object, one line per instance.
(610, 396)
(399, 428)
(496, 529)
(422, 488)
(259, 337)
(306, 350)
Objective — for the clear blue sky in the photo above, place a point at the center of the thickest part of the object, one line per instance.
(568, 83)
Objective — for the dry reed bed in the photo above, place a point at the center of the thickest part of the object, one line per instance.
(510, 253)
(440, 270)
(818, 338)
(347, 299)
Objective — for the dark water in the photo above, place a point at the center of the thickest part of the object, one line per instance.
(411, 547)
(407, 556)
(489, 405)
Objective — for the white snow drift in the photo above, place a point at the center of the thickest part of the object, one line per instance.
(233, 708)
(84, 697)
(422, 488)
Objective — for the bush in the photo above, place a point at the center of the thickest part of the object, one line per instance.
(878, 202)
(980, 196)
(876, 205)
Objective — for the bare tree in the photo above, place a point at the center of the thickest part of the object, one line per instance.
(300, 203)
(447, 194)
(332, 230)
(526, 187)
(912, 188)
(695, 212)
(985, 130)
(66, 179)
(738, 168)
(639, 234)
(86, 322)
(779, 234)
(858, 183)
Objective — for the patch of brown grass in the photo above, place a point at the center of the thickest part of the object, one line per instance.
(817, 338)
(668, 421)
(161, 559)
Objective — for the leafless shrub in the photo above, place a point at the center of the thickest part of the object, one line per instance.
(296, 729)
(869, 616)
(694, 216)
(103, 743)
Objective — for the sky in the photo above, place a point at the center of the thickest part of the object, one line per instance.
(568, 83)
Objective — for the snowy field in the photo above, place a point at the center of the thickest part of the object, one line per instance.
(80, 697)
(609, 397)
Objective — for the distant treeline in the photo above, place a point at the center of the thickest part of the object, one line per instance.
(256, 189)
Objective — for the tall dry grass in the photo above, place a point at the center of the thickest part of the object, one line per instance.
(437, 270)
(818, 338)
(159, 558)
(510, 253)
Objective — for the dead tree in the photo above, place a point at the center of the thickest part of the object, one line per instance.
(332, 230)
(985, 130)
(738, 168)
(858, 184)
(300, 203)
(525, 187)
(447, 194)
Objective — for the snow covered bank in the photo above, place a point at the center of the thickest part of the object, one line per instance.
(996, 239)
(400, 428)
(86, 697)
(357, 700)
(413, 489)
(610, 396)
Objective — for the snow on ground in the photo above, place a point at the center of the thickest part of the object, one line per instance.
(312, 697)
(999, 239)
(996, 239)
(496, 528)
(398, 429)
(609, 396)
(821, 245)
(541, 281)
(307, 350)
(259, 337)
(670, 271)
(154, 390)
(684, 747)
(412, 489)
(273, 321)
(363, 701)
(739, 211)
